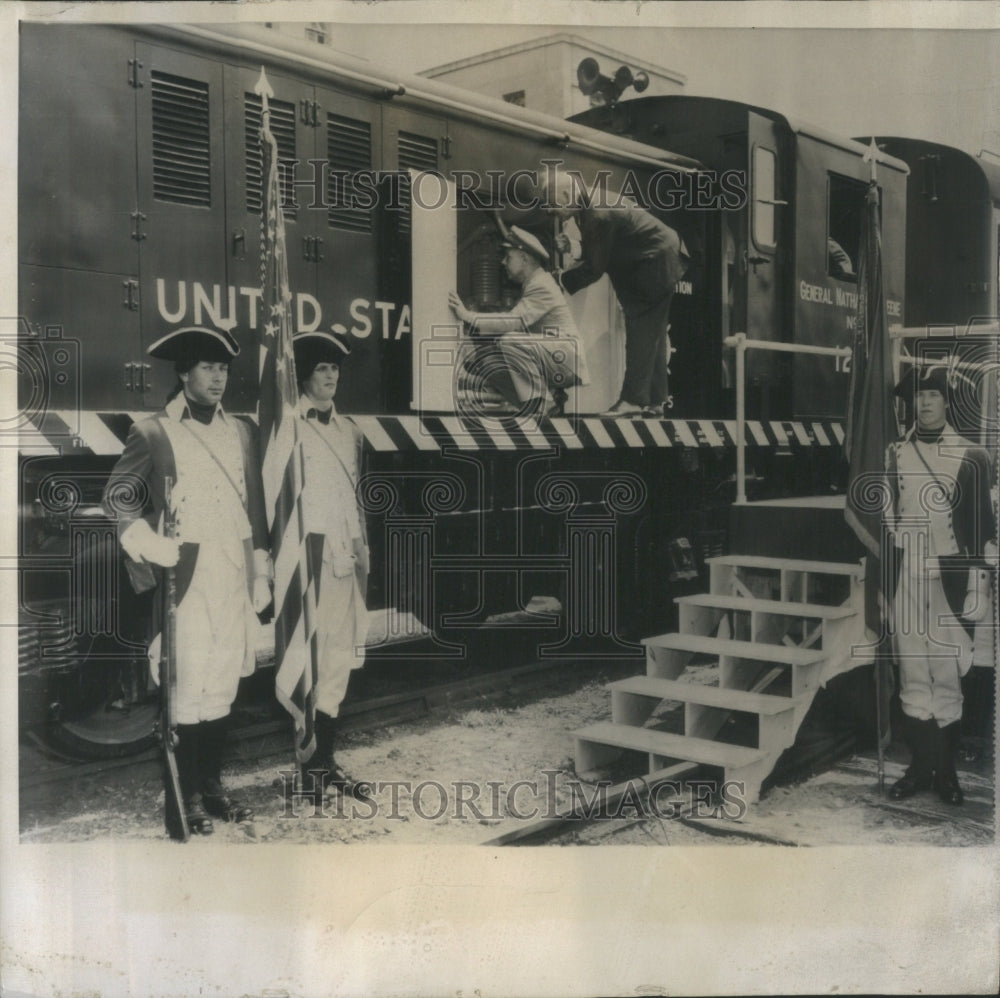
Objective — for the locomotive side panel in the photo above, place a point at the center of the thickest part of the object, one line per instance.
(830, 191)
(951, 232)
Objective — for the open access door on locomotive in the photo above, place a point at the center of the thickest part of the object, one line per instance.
(780, 262)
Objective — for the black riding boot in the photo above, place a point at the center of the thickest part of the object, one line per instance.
(323, 760)
(188, 753)
(946, 779)
(217, 802)
(921, 737)
(977, 712)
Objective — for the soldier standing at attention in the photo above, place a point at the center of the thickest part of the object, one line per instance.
(219, 550)
(941, 523)
(331, 447)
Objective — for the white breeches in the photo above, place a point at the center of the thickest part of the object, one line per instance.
(933, 649)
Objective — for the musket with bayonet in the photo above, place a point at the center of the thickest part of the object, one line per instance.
(176, 818)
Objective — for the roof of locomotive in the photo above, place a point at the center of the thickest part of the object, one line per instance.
(250, 40)
(794, 125)
(911, 149)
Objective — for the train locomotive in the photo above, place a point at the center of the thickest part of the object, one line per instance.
(140, 211)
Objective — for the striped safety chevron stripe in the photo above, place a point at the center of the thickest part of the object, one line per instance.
(104, 433)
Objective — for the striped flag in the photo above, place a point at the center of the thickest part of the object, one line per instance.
(295, 641)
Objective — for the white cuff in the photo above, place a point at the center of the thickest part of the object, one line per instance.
(135, 539)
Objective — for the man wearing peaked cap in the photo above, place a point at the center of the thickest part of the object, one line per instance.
(941, 524)
(331, 450)
(551, 358)
(219, 550)
(644, 259)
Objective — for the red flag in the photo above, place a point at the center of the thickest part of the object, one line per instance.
(295, 642)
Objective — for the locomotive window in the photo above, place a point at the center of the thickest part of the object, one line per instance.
(283, 129)
(348, 149)
(181, 168)
(845, 211)
(416, 152)
(764, 196)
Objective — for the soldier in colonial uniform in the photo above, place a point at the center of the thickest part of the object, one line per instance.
(331, 447)
(941, 522)
(219, 549)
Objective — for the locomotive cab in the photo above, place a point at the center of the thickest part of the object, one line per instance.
(780, 261)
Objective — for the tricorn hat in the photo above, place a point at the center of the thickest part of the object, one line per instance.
(193, 344)
(518, 238)
(925, 377)
(317, 348)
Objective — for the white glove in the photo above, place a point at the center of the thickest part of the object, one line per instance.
(990, 554)
(262, 564)
(142, 544)
(977, 596)
(261, 594)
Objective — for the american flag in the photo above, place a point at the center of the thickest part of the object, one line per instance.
(295, 641)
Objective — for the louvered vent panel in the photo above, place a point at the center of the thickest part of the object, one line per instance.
(283, 130)
(349, 148)
(416, 152)
(181, 144)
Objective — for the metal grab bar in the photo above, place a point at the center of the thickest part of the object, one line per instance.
(741, 344)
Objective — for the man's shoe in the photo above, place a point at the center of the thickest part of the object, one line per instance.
(654, 411)
(623, 410)
(345, 785)
(198, 821)
(948, 789)
(909, 785)
(224, 807)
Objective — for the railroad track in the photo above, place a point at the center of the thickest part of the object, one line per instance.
(42, 770)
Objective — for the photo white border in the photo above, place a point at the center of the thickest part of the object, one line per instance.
(160, 919)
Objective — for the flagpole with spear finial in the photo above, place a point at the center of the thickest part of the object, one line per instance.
(871, 158)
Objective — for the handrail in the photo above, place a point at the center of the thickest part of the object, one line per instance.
(943, 331)
(741, 343)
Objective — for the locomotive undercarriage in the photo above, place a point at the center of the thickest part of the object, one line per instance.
(505, 558)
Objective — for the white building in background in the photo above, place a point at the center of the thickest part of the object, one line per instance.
(542, 74)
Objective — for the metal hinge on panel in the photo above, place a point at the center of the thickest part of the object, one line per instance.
(130, 377)
(444, 144)
(131, 301)
(137, 219)
(133, 73)
(309, 112)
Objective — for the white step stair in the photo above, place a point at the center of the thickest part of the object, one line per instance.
(768, 620)
(601, 743)
(706, 708)
(791, 579)
(668, 654)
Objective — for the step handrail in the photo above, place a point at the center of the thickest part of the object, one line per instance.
(741, 343)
